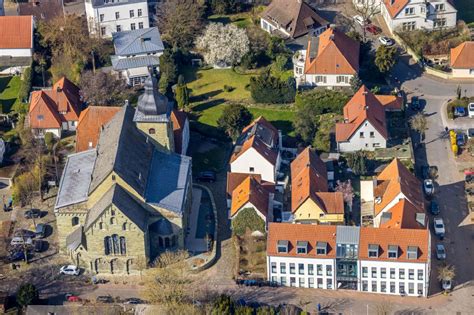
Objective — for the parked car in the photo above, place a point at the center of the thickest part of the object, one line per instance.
(39, 246)
(104, 299)
(16, 256)
(434, 207)
(460, 139)
(207, 176)
(439, 227)
(133, 301)
(469, 178)
(470, 110)
(20, 241)
(73, 298)
(459, 111)
(40, 231)
(24, 233)
(428, 187)
(386, 41)
(446, 285)
(415, 103)
(71, 270)
(440, 252)
(373, 29)
(360, 20)
(32, 213)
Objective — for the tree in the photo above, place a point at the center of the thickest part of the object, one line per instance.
(347, 191)
(223, 305)
(279, 66)
(419, 124)
(247, 219)
(233, 119)
(103, 89)
(26, 294)
(357, 161)
(182, 93)
(225, 6)
(356, 83)
(268, 89)
(266, 310)
(49, 140)
(243, 310)
(367, 9)
(223, 45)
(180, 21)
(446, 272)
(25, 86)
(168, 70)
(458, 92)
(385, 58)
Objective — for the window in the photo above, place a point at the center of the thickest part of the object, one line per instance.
(301, 247)
(251, 169)
(310, 269)
(375, 145)
(365, 272)
(365, 286)
(132, 26)
(283, 281)
(374, 286)
(401, 274)
(342, 79)
(112, 221)
(75, 221)
(40, 117)
(101, 18)
(373, 248)
(132, 13)
(374, 272)
(117, 15)
(383, 273)
(411, 274)
(107, 245)
(282, 268)
(101, 226)
(311, 283)
(124, 226)
(274, 279)
(116, 244)
(409, 11)
(361, 135)
(301, 282)
(320, 283)
(139, 12)
(392, 251)
(408, 26)
(140, 25)
(329, 284)
(419, 289)
(292, 282)
(320, 79)
(329, 270)
(151, 131)
(383, 286)
(411, 288)
(439, 7)
(102, 31)
(274, 267)
(299, 70)
(292, 268)
(392, 287)
(420, 274)
(319, 270)
(321, 248)
(119, 28)
(123, 246)
(439, 23)
(372, 134)
(282, 247)
(113, 178)
(401, 288)
(301, 269)
(392, 273)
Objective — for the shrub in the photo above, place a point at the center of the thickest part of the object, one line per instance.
(268, 89)
(49, 140)
(228, 88)
(27, 294)
(25, 86)
(247, 218)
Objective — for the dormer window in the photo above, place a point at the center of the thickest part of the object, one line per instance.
(282, 247)
(393, 251)
(301, 247)
(412, 252)
(373, 250)
(321, 248)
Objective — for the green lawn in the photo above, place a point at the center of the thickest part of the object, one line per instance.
(465, 10)
(9, 87)
(241, 20)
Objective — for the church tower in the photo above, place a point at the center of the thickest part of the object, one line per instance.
(153, 116)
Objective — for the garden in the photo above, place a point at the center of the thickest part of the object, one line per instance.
(9, 89)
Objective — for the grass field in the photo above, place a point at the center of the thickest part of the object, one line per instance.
(9, 87)
(465, 10)
(241, 20)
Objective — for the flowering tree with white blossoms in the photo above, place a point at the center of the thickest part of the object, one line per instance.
(223, 45)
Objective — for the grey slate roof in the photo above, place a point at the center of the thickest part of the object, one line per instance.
(128, 205)
(75, 239)
(76, 178)
(152, 105)
(122, 148)
(136, 42)
(134, 62)
(347, 234)
(168, 181)
(100, 3)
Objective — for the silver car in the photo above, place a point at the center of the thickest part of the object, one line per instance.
(440, 252)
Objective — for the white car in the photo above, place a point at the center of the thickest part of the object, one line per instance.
(69, 270)
(20, 241)
(428, 187)
(438, 225)
(470, 110)
(359, 19)
(386, 41)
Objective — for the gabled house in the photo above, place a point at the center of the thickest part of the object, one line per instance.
(311, 202)
(55, 110)
(330, 60)
(409, 15)
(364, 126)
(136, 52)
(462, 60)
(257, 151)
(16, 43)
(292, 19)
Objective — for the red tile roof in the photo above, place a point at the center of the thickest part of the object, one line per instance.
(336, 53)
(396, 7)
(263, 130)
(178, 118)
(363, 106)
(462, 56)
(250, 191)
(390, 102)
(235, 179)
(90, 124)
(403, 216)
(269, 154)
(16, 32)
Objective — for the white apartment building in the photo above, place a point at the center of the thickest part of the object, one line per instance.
(377, 260)
(105, 17)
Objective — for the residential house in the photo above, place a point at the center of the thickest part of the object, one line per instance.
(409, 15)
(42, 10)
(378, 260)
(330, 60)
(462, 60)
(365, 125)
(257, 151)
(234, 180)
(16, 43)
(105, 17)
(394, 199)
(114, 216)
(311, 202)
(136, 52)
(55, 110)
(292, 19)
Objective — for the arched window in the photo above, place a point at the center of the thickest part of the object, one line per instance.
(101, 225)
(124, 226)
(75, 221)
(115, 240)
(152, 131)
(167, 242)
(123, 246)
(112, 220)
(107, 242)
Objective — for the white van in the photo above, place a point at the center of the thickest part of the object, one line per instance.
(20, 241)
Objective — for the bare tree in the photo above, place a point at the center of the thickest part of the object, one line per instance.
(384, 307)
(446, 272)
(418, 123)
(347, 191)
(367, 9)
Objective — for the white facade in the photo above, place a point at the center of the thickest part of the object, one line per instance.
(23, 52)
(302, 272)
(365, 138)
(420, 14)
(270, 27)
(253, 163)
(105, 19)
(463, 73)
